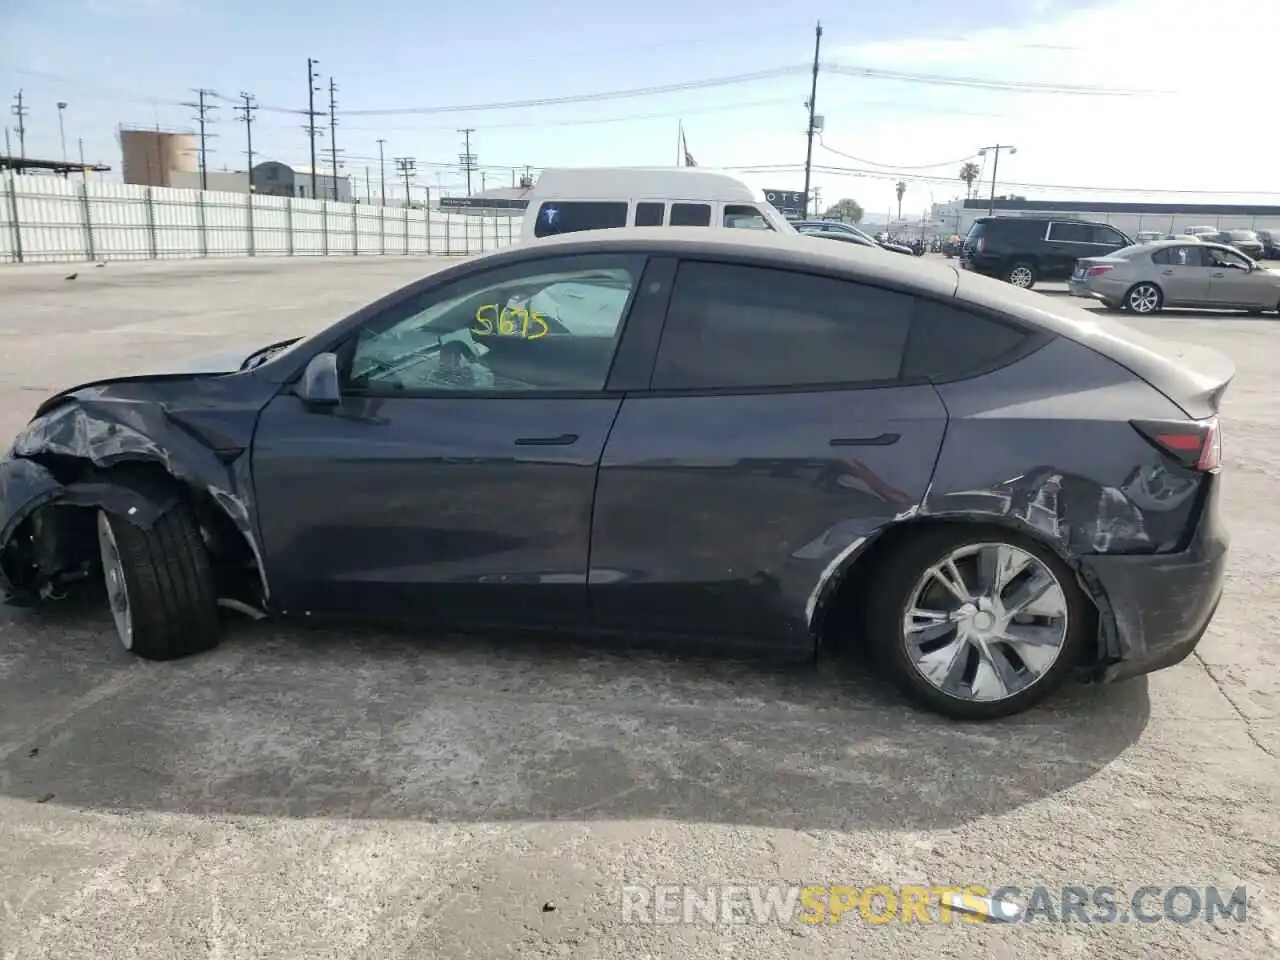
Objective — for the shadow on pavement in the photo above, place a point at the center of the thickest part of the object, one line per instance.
(350, 724)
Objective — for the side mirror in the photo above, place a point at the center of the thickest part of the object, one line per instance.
(319, 385)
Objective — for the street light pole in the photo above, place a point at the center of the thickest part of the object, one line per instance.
(995, 168)
(62, 134)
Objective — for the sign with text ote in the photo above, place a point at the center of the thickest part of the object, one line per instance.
(788, 201)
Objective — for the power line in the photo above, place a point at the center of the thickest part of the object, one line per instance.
(1015, 86)
(894, 166)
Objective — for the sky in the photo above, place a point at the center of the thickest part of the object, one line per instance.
(1122, 99)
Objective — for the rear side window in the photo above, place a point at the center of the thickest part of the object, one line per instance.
(649, 214)
(690, 215)
(1188, 256)
(1071, 232)
(948, 342)
(573, 216)
(740, 327)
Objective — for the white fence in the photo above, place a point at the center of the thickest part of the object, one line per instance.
(52, 219)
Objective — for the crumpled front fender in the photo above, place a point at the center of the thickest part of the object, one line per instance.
(27, 486)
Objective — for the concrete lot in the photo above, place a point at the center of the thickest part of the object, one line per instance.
(309, 794)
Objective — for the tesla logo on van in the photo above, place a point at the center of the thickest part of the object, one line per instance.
(549, 215)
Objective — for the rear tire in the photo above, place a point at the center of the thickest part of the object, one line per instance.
(1144, 299)
(896, 590)
(160, 585)
(1021, 274)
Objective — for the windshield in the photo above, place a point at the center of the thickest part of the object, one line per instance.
(1241, 235)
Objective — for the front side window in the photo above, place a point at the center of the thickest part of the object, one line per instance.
(1109, 236)
(690, 215)
(551, 325)
(1225, 258)
(739, 327)
(573, 216)
(745, 217)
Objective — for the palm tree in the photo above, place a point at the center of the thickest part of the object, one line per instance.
(901, 188)
(969, 174)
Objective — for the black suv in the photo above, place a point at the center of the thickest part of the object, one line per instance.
(1023, 250)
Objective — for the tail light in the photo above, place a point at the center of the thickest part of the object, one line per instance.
(1196, 444)
(1097, 271)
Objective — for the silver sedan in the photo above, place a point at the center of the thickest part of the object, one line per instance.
(1177, 273)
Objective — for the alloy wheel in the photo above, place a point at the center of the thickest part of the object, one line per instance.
(1144, 298)
(117, 588)
(1021, 276)
(986, 622)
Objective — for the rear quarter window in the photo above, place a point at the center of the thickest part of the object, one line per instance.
(949, 343)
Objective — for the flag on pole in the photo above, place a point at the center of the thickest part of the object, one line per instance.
(684, 147)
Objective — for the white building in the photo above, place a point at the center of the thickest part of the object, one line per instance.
(274, 179)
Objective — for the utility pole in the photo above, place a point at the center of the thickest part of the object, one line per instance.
(20, 111)
(368, 187)
(995, 166)
(405, 165)
(382, 170)
(812, 105)
(203, 108)
(467, 158)
(62, 132)
(312, 77)
(246, 112)
(333, 133)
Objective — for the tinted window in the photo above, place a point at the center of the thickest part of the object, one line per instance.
(745, 217)
(690, 215)
(732, 326)
(1109, 236)
(1242, 235)
(649, 214)
(572, 216)
(1071, 232)
(948, 342)
(548, 325)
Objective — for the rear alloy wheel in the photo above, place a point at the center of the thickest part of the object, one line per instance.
(977, 627)
(1021, 275)
(160, 585)
(1144, 298)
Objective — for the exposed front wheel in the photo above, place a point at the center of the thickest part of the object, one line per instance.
(1144, 298)
(976, 626)
(1021, 275)
(159, 584)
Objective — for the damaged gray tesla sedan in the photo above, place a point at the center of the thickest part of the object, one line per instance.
(690, 433)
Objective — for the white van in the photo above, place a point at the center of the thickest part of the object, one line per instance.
(569, 200)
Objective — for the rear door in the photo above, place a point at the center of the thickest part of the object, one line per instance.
(776, 432)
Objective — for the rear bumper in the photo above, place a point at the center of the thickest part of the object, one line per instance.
(1078, 288)
(1157, 607)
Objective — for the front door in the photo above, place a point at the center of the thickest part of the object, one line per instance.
(1234, 282)
(457, 476)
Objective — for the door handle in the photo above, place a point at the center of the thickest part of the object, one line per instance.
(1167, 273)
(881, 440)
(564, 440)
(1217, 274)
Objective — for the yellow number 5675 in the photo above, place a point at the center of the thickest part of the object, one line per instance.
(509, 322)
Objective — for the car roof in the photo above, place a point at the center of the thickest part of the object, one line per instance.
(1181, 371)
(998, 219)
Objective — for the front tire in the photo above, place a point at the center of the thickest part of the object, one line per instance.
(1021, 274)
(1144, 299)
(976, 625)
(160, 585)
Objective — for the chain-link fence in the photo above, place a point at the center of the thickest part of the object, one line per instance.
(51, 219)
